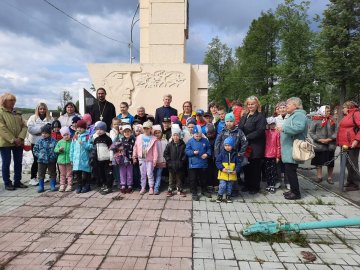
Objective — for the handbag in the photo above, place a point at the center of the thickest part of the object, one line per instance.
(303, 150)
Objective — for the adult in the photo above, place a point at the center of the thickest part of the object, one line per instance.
(124, 114)
(213, 108)
(348, 135)
(35, 123)
(165, 111)
(253, 124)
(67, 114)
(187, 112)
(102, 110)
(294, 127)
(12, 134)
(141, 115)
(281, 113)
(323, 132)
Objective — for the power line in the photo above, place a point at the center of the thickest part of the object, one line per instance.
(84, 25)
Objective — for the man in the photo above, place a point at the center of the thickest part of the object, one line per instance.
(102, 110)
(124, 114)
(165, 111)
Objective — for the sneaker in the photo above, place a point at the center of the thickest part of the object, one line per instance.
(195, 197)
(20, 185)
(105, 191)
(33, 182)
(10, 186)
(182, 194)
(288, 186)
(228, 199)
(278, 185)
(78, 189)
(169, 193)
(206, 194)
(123, 190)
(47, 180)
(86, 189)
(151, 191)
(142, 191)
(291, 196)
(219, 199)
(129, 190)
(68, 188)
(156, 192)
(62, 188)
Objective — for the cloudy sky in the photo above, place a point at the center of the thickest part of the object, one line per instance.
(43, 52)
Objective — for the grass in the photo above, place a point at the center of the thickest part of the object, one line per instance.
(280, 237)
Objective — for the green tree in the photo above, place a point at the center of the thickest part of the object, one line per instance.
(339, 52)
(297, 59)
(65, 97)
(220, 63)
(257, 58)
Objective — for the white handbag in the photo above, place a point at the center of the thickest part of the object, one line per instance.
(303, 150)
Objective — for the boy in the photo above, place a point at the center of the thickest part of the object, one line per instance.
(166, 128)
(200, 120)
(208, 117)
(198, 150)
(228, 164)
(212, 170)
(219, 125)
(175, 157)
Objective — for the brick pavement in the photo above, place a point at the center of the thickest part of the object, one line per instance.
(91, 231)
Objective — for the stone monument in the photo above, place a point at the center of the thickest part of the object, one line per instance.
(162, 68)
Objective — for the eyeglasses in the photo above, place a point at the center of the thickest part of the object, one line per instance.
(187, 106)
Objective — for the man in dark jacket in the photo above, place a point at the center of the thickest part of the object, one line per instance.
(165, 111)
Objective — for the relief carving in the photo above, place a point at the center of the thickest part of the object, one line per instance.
(161, 78)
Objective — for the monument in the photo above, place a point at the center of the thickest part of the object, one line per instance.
(162, 69)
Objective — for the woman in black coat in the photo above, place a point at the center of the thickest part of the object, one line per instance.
(253, 124)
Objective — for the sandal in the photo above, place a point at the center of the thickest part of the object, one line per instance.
(318, 180)
(330, 181)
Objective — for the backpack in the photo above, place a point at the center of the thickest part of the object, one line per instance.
(303, 150)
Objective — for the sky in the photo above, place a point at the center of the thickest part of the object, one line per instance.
(43, 52)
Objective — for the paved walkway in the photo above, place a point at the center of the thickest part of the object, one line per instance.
(91, 231)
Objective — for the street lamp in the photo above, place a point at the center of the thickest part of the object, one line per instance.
(133, 22)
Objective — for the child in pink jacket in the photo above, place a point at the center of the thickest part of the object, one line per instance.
(272, 154)
(145, 151)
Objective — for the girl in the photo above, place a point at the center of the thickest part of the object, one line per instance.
(62, 149)
(115, 132)
(138, 129)
(145, 151)
(80, 157)
(272, 154)
(161, 143)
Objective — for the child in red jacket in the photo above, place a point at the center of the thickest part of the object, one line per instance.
(272, 154)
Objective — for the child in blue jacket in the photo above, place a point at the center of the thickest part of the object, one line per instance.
(44, 151)
(228, 163)
(198, 150)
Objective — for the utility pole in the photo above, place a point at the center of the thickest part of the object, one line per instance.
(131, 32)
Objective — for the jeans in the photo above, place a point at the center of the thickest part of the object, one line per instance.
(225, 187)
(6, 160)
(157, 176)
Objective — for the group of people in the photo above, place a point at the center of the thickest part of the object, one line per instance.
(210, 149)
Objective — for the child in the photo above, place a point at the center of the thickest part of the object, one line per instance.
(208, 117)
(88, 119)
(145, 151)
(62, 149)
(138, 129)
(237, 110)
(220, 124)
(122, 158)
(166, 127)
(80, 156)
(101, 154)
(115, 132)
(175, 120)
(161, 143)
(198, 150)
(44, 151)
(200, 120)
(272, 154)
(175, 157)
(228, 164)
(55, 130)
(72, 128)
(212, 170)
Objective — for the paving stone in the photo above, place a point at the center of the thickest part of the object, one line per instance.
(118, 214)
(123, 204)
(37, 225)
(75, 202)
(124, 263)
(208, 230)
(252, 251)
(178, 204)
(69, 262)
(68, 225)
(17, 241)
(172, 247)
(172, 228)
(43, 201)
(91, 245)
(216, 217)
(5, 257)
(26, 211)
(145, 214)
(18, 201)
(213, 248)
(4, 209)
(55, 211)
(176, 215)
(151, 204)
(291, 253)
(145, 228)
(52, 242)
(33, 261)
(7, 224)
(226, 264)
(104, 226)
(96, 202)
(85, 212)
(131, 246)
(169, 263)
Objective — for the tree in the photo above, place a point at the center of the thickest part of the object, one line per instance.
(220, 62)
(258, 58)
(65, 97)
(340, 47)
(297, 59)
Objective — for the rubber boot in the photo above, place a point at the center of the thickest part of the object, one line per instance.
(53, 184)
(41, 186)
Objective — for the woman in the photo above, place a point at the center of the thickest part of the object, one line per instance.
(67, 114)
(349, 135)
(323, 132)
(187, 112)
(141, 115)
(124, 114)
(213, 108)
(294, 127)
(253, 124)
(35, 123)
(12, 134)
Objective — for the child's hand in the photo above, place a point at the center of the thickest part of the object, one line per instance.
(61, 149)
(134, 160)
(277, 160)
(204, 156)
(196, 152)
(233, 172)
(154, 163)
(224, 170)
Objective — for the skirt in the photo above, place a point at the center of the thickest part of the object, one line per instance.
(322, 157)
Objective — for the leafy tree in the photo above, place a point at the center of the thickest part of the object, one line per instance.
(65, 97)
(220, 62)
(339, 53)
(297, 59)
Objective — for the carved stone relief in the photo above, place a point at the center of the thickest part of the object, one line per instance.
(160, 78)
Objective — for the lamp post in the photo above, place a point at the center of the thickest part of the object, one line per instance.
(133, 22)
